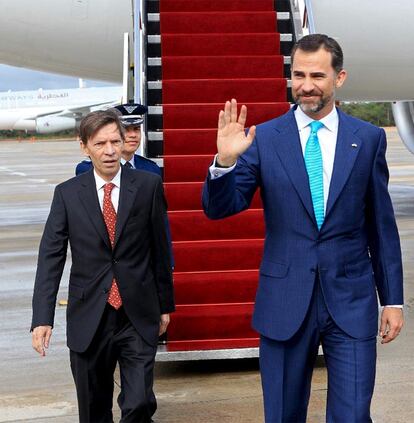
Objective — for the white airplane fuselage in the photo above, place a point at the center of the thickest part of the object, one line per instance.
(84, 38)
(48, 111)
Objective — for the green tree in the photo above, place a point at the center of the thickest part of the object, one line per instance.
(379, 114)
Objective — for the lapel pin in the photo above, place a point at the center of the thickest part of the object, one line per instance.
(354, 145)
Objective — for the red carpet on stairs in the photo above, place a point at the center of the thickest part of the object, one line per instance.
(187, 196)
(218, 90)
(219, 22)
(205, 116)
(204, 67)
(227, 44)
(191, 225)
(211, 287)
(212, 51)
(216, 5)
(207, 255)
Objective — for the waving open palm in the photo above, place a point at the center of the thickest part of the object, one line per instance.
(231, 138)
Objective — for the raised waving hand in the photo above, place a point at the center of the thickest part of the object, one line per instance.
(231, 138)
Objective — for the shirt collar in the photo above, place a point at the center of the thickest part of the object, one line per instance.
(330, 121)
(101, 182)
(123, 161)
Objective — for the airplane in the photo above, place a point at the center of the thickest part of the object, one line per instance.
(84, 38)
(49, 111)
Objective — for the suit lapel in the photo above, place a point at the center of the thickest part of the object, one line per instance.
(291, 156)
(127, 194)
(348, 146)
(89, 199)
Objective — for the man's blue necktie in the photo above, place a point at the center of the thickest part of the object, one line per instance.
(314, 167)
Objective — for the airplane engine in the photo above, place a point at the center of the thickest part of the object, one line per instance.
(50, 124)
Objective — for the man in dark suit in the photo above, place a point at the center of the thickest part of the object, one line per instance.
(331, 241)
(131, 117)
(120, 286)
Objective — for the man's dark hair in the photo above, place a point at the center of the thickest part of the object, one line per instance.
(313, 42)
(95, 121)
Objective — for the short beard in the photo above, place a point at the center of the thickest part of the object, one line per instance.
(316, 107)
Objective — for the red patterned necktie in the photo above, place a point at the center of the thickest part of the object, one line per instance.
(109, 215)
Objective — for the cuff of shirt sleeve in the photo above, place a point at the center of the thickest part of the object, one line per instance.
(216, 172)
(395, 306)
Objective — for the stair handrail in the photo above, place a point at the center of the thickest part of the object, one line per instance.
(309, 20)
(140, 63)
(403, 112)
(297, 18)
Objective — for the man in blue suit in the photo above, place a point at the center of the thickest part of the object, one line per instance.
(131, 117)
(331, 241)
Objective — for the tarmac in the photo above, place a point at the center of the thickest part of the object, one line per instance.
(35, 389)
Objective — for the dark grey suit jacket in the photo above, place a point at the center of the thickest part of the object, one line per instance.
(140, 259)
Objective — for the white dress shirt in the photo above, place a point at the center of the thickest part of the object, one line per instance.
(100, 183)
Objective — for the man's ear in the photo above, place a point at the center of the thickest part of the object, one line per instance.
(84, 147)
(340, 78)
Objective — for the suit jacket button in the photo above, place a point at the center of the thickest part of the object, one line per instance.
(313, 270)
(114, 261)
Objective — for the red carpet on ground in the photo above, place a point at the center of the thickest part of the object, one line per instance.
(212, 51)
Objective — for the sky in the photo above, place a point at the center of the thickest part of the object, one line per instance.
(21, 79)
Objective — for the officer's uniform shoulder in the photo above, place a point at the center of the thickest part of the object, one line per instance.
(146, 164)
(83, 167)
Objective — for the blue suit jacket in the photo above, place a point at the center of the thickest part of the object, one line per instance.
(140, 163)
(357, 250)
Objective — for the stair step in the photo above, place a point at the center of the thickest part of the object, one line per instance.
(216, 344)
(219, 44)
(190, 141)
(186, 168)
(197, 256)
(157, 61)
(177, 116)
(187, 196)
(215, 287)
(195, 225)
(211, 321)
(253, 90)
(215, 5)
(280, 16)
(217, 22)
(214, 67)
